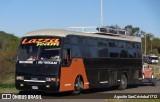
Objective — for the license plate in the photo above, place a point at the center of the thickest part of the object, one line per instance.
(35, 87)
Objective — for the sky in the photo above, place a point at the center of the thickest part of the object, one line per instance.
(21, 16)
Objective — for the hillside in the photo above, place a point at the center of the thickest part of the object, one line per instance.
(8, 50)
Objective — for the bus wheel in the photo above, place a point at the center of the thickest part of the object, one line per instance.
(123, 84)
(78, 86)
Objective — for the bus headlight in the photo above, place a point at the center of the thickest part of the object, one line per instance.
(50, 79)
(20, 78)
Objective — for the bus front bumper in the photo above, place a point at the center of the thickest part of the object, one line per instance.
(37, 86)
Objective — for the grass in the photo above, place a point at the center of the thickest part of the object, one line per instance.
(156, 70)
(7, 84)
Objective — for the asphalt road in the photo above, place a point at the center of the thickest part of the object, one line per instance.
(110, 91)
(104, 93)
(96, 95)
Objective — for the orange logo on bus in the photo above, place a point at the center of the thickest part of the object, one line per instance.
(42, 41)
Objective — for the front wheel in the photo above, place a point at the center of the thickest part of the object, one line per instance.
(123, 84)
(78, 86)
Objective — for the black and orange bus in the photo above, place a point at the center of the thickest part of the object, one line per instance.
(63, 60)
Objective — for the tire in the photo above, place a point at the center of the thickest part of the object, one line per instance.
(123, 83)
(78, 86)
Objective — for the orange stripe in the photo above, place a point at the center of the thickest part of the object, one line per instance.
(69, 74)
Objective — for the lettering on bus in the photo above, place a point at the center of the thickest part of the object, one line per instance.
(42, 41)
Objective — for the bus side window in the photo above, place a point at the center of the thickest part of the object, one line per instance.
(66, 57)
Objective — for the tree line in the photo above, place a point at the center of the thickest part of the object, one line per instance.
(152, 42)
(8, 52)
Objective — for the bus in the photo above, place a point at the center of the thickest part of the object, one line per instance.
(61, 60)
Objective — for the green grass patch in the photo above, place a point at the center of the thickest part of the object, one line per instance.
(155, 70)
(7, 84)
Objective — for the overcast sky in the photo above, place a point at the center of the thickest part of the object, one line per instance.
(21, 16)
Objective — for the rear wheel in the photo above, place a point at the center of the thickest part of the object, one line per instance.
(123, 84)
(78, 86)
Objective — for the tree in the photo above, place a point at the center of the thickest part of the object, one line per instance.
(8, 49)
(133, 31)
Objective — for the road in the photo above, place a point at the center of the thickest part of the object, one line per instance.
(104, 93)
(97, 95)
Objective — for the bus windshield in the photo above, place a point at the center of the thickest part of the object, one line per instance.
(44, 49)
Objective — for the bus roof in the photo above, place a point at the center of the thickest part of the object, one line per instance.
(64, 33)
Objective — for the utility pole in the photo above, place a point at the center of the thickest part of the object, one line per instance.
(145, 44)
(101, 12)
(151, 43)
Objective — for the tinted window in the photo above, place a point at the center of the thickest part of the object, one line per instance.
(91, 41)
(139, 54)
(90, 51)
(113, 43)
(66, 40)
(123, 53)
(102, 42)
(122, 44)
(72, 39)
(138, 45)
(102, 52)
(130, 44)
(113, 52)
(132, 53)
(76, 51)
(83, 40)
